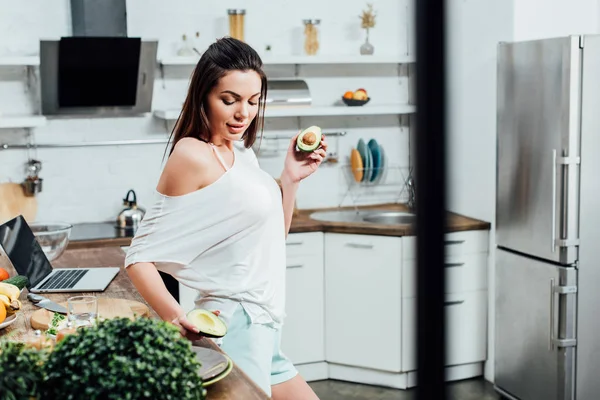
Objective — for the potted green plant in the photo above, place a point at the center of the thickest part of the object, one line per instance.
(124, 359)
(21, 371)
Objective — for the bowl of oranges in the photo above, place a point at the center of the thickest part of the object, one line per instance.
(357, 98)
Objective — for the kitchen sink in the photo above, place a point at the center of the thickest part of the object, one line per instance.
(383, 217)
(390, 218)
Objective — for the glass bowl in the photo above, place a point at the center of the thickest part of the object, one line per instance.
(53, 237)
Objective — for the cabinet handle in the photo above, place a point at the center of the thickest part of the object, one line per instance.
(453, 303)
(452, 265)
(294, 243)
(295, 266)
(359, 245)
(451, 242)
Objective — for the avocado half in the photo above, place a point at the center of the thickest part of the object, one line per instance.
(309, 139)
(207, 323)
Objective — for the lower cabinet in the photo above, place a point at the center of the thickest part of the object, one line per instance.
(466, 329)
(351, 306)
(363, 279)
(370, 306)
(303, 334)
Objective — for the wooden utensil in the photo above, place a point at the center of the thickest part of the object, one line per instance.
(14, 202)
(107, 308)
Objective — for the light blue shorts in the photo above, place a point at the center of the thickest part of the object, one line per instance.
(256, 350)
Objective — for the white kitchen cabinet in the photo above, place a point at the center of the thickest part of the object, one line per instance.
(303, 335)
(363, 282)
(466, 329)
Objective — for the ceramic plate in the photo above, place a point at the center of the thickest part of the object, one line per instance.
(356, 164)
(213, 362)
(9, 320)
(220, 376)
(376, 153)
(382, 162)
(367, 159)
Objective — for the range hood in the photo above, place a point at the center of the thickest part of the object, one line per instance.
(99, 71)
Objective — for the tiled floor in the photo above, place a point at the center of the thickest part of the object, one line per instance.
(472, 389)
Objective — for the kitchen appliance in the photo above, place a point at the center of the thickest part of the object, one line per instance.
(28, 258)
(130, 217)
(287, 93)
(548, 219)
(97, 76)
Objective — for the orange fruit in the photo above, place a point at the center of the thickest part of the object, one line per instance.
(2, 313)
(348, 95)
(4, 274)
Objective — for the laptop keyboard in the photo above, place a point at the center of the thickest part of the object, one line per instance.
(64, 279)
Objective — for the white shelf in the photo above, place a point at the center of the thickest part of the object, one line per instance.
(22, 61)
(21, 121)
(267, 59)
(274, 112)
(282, 60)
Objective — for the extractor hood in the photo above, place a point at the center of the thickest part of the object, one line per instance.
(99, 71)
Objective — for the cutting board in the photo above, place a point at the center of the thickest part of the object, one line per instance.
(107, 308)
(14, 202)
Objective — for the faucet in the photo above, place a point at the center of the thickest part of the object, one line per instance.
(410, 183)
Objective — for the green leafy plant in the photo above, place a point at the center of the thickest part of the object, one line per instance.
(21, 371)
(124, 359)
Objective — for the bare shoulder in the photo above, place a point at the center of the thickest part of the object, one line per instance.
(184, 170)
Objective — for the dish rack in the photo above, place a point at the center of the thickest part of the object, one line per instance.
(393, 179)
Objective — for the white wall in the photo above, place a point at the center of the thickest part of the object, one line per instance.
(475, 28)
(534, 19)
(87, 184)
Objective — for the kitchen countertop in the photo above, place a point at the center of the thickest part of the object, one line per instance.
(236, 385)
(90, 235)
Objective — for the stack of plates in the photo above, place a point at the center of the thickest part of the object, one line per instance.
(215, 365)
(367, 161)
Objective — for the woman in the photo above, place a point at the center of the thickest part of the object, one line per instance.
(219, 222)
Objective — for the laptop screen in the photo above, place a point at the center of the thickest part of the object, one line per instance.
(23, 250)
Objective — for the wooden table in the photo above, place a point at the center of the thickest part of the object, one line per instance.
(237, 385)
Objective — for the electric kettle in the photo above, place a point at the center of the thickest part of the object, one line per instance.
(130, 217)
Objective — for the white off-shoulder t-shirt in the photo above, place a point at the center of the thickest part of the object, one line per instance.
(225, 240)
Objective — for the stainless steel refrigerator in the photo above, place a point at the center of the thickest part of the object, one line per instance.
(547, 323)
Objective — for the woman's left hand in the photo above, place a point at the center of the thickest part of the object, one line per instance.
(299, 165)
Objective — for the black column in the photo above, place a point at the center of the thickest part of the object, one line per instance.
(430, 196)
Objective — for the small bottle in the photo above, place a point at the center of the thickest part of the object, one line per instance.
(236, 23)
(311, 36)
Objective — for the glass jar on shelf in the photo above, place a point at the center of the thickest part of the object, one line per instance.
(236, 23)
(311, 36)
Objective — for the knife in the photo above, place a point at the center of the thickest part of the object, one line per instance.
(46, 303)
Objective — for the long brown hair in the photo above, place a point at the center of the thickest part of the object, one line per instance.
(224, 55)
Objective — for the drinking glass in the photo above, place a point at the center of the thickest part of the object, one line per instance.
(82, 311)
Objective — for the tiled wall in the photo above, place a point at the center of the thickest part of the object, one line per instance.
(88, 183)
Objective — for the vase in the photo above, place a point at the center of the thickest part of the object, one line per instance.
(367, 48)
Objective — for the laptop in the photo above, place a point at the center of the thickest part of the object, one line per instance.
(28, 258)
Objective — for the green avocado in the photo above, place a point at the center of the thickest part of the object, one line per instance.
(207, 323)
(309, 139)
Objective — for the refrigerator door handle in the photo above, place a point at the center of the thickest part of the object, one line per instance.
(553, 226)
(554, 341)
(560, 161)
(551, 330)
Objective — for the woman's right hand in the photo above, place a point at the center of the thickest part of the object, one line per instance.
(189, 330)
